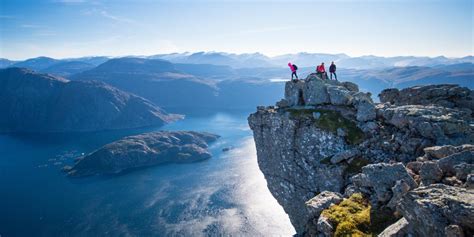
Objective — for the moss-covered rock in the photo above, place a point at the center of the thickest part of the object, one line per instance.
(351, 217)
(330, 120)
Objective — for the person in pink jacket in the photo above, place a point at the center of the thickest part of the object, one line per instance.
(293, 69)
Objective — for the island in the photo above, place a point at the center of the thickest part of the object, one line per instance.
(144, 150)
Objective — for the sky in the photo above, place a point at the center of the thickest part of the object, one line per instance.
(74, 28)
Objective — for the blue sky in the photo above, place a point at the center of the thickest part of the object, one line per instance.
(72, 28)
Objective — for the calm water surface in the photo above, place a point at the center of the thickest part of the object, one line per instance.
(226, 195)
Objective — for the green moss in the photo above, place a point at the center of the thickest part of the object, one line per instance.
(351, 217)
(330, 121)
(355, 217)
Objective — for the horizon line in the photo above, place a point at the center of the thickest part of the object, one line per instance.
(223, 52)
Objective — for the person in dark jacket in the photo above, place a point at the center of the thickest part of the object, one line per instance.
(332, 70)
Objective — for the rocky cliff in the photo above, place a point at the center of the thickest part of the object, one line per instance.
(326, 143)
(34, 102)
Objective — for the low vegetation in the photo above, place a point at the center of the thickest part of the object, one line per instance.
(330, 121)
(351, 217)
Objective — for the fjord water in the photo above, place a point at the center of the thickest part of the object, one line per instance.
(225, 195)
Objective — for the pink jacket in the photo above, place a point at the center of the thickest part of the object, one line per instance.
(291, 67)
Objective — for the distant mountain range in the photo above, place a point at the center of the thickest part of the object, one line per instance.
(34, 102)
(184, 87)
(259, 60)
(182, 82)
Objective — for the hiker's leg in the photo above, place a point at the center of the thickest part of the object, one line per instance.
(331, 74)
(291, 75)
(335, 76)
(296, 75)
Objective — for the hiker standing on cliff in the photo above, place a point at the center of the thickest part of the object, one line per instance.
(321, 71)
(332, 70)
(293, 69)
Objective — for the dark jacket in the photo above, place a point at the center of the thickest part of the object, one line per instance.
(332, 68)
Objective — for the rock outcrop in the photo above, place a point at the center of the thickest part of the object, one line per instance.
(34, 102)
(326, 139)
(144, 150)
(433, 209)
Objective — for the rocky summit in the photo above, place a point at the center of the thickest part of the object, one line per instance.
(341, 165)
(144, 150)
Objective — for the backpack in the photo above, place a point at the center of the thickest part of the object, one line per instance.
(295, 67)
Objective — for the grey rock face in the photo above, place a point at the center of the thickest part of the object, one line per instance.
(291, 152)
(345, 155)
(144, 150)
(441, 124)
(445, 95)
(399, 229)
(33, 102)
(315, 206)
(322, 201)
(324, 227)
(382, 177)
(430, 210)
(300, 157)
(430, 173)
(447, 164)
(315, 91)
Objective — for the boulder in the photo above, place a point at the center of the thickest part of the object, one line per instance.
(463, 170)
(350, 86)
(447, 164)
(438, 152)
(339, 95)
(430, 173)
(432, 208)
(325, 227)
(382, 177)
(469, 184)
(401, 228)
(400, 188)
(322, 201)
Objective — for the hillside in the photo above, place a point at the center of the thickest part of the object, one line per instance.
(34, 102)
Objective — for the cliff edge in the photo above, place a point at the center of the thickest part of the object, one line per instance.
(326, 143)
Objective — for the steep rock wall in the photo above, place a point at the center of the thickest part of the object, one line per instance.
(324, 132)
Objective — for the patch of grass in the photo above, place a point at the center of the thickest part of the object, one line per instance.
(330, 120)
(351, 217)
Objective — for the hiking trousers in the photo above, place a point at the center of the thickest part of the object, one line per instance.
(294, 73)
